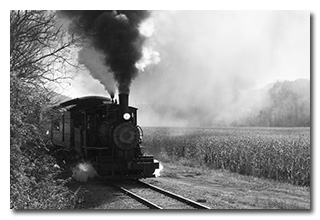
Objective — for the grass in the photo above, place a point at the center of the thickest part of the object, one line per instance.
(222, 189)
(281, 154)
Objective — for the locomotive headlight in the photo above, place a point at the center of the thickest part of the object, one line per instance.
(126, 116)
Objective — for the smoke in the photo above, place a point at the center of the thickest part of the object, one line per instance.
(94, 61)
(83, 171)
(149, 57)
(213, 62)
(116, 34)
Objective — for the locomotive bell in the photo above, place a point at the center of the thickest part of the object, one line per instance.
(112, 97)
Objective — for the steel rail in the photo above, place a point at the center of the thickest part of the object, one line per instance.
(175, 196)
(136, 197)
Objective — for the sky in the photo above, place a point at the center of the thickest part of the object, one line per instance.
(204, 61)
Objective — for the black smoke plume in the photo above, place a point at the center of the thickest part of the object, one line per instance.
(116, 34)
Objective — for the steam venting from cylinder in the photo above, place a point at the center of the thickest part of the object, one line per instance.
(115, 36)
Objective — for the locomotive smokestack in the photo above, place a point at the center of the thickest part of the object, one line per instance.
(124, 102)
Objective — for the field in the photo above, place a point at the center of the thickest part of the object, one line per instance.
(281, 154)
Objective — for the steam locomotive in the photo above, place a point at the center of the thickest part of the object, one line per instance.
(106, 133)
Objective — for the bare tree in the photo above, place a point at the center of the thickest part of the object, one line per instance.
(39, 48)
(40, 51)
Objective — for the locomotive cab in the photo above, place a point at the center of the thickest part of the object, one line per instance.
(106, 133)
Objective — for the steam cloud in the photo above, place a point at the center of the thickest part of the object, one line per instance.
(117, 35)
(93, 60)
(214, 62)
(83, 171)
(157, 172)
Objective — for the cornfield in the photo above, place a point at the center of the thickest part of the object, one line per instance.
(282, 154)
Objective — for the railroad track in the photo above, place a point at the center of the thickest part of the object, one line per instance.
(154, 197)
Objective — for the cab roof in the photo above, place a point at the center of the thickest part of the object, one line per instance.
(85, 102)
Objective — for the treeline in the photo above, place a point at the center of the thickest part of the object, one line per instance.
(289, 106)
(37, 46)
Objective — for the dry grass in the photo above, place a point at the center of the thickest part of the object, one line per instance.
(227, 190)
(275, 153)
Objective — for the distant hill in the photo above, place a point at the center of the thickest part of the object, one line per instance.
(285, 104)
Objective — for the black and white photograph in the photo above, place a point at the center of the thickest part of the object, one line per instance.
(161, 109)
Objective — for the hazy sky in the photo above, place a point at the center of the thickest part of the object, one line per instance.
(209, 59)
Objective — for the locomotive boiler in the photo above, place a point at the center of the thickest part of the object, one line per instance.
(104, 132)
